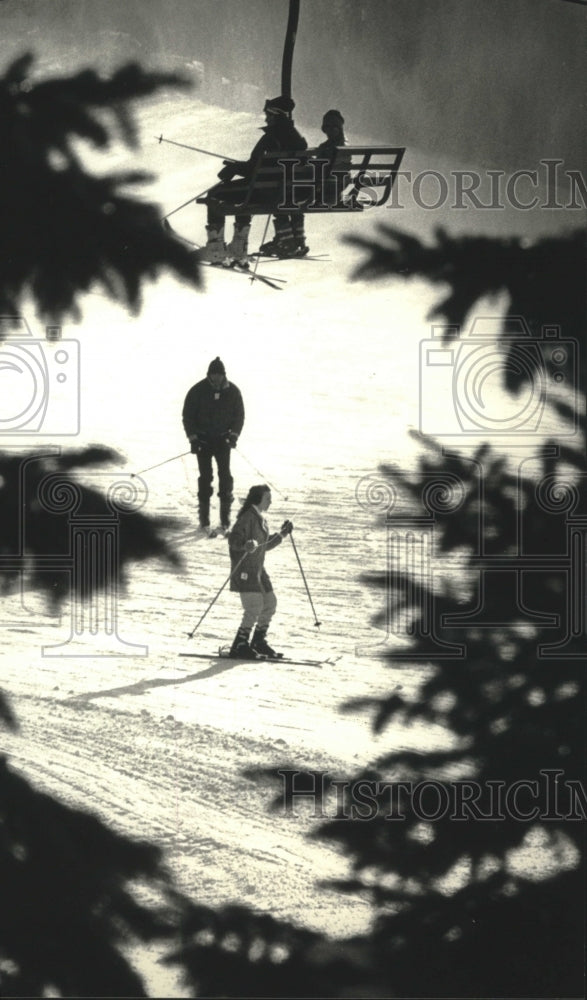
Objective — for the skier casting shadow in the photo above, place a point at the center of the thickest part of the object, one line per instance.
(248, 541)
(213, 417)
(280, 134)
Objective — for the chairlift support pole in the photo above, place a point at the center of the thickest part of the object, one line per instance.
(288, 49)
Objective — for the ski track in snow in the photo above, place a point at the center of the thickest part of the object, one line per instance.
(157, 744)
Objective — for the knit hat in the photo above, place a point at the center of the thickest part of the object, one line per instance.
(216, 367)
(333, 115)
(279, 105)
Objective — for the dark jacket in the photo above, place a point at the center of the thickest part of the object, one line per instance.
(281, 135)
(339, 160)
(211, 413)
(251, 574)
(338, 156)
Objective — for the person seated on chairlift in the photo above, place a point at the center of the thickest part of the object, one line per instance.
(339, 159)
(280, 134)
(336, 177)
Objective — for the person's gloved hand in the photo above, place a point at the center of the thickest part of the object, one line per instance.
(232, 438)
(195, 444)
(227, 172)
(251, 545)
(286, 528)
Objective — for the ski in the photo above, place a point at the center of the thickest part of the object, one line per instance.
(265, 279)
(298, 663)
(261, 659)
(262, 257)
(223, 656)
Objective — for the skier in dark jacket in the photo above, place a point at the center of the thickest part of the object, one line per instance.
(280, 134)
(339, 160)
(213, 417)
(248, 541)
(290, 238)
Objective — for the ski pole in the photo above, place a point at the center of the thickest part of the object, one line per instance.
(196, 149)
(316, 622)
(259, 473)
(179, 207)
(164, 462)
(191, 634)
(257, 259)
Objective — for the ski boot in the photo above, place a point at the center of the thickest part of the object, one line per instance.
(283, 243)
(204, 494)
(302, 248)
(225, 505)
(237, 251)
(203, 530)
(285, 247)
(215, 250)
(299, 234)
(240, 649)
(269, 248)
(260, 645)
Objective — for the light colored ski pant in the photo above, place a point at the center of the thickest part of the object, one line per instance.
(258, 608)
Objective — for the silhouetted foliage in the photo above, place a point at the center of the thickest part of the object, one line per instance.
(69, 907)
(234, 952)
(64, 229)
(67, 903)
(42, 494)
(544, 279)
(455, 915)
(474, 895)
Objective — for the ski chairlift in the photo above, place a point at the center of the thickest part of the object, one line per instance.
(296, 182)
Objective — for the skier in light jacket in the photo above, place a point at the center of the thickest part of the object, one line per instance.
(248, 541)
